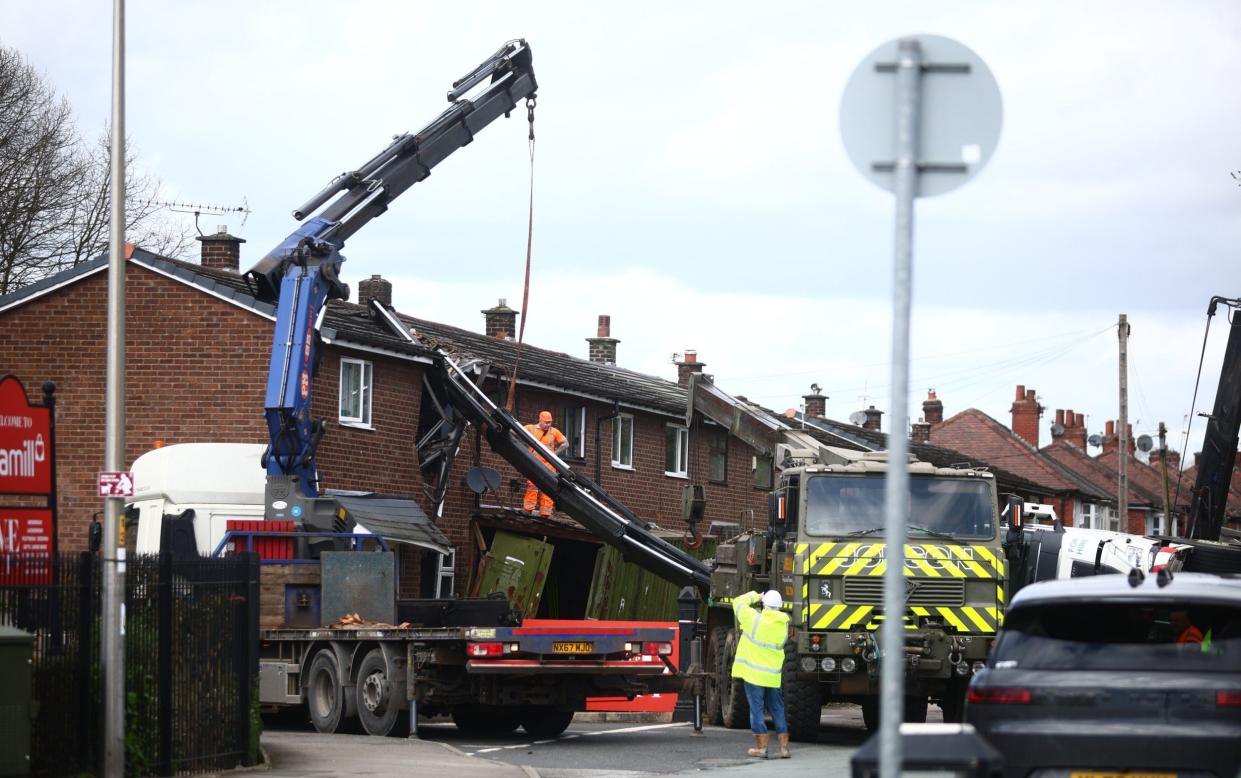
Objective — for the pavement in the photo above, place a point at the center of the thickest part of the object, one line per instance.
(306, 754)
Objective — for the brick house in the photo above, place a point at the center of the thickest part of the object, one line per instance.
(1016, 450)
(198, 346)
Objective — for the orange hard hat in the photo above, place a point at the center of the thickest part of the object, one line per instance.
(545, 415)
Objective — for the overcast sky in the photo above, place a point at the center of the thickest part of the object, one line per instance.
(690, 180)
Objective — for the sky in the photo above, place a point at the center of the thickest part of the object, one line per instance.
(690, 181)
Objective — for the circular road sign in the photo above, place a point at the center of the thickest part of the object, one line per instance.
(959, 120)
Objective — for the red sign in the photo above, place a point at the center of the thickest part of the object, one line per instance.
(113, 484)
(25, 442)
(25, 546)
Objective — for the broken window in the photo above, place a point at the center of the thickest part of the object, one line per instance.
(717, 454)
(676, 450)
(622, 441)
(355, 392)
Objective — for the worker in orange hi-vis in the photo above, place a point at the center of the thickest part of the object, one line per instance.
(554, 441)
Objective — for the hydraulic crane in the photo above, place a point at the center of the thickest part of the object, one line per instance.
(1209, 497)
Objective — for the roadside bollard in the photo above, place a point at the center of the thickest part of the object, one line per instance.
(687, 623)
(695, 663)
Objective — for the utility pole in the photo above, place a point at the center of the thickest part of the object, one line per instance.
(1169, 522)
(1122, 456)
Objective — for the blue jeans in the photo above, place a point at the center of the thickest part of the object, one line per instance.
(773, 698)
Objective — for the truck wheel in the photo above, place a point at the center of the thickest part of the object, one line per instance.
(870, 714)
(324, 694)
(378, 706)
(734, 709)
(543, 722)
(711, 694)
(803, 701)
(486, 719)
(953, 703)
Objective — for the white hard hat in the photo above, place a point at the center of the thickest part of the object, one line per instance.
(772, 599)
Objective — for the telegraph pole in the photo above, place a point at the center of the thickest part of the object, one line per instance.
(1169, 522)
(1122, 496)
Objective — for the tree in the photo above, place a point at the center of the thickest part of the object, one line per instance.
(54, 194)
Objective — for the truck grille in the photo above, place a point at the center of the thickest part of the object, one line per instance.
(927, 591)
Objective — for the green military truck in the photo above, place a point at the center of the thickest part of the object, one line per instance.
(824, 551)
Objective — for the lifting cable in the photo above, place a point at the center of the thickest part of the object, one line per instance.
(525, 293)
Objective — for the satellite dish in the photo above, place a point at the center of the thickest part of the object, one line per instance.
(1145, 443)
(482, 480)
(858, 418)
(1057, 430)
(1095, 440)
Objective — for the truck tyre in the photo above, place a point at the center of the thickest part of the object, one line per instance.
(379, 705)
(734, 709)
(542, 722)
(870, 714)
(325, 696)
(711, 692)
(803, 700)
(953, 702)
(488, 720)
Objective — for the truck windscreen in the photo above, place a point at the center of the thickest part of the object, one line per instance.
(843, 505)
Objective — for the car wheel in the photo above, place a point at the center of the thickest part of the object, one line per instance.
(734, 708)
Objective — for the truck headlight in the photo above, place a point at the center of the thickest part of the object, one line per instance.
(848, 664)
(828, 664)
(807, 664)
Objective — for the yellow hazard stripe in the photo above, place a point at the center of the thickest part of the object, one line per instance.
(863, 560)
(825, 621)
(862, 612)
(953, 619)
(976, 617)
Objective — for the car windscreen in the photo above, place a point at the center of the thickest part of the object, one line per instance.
(1130, 636)
(841, 505)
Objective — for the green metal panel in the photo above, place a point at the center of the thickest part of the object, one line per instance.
(516, 565)
(15, 657)
(622, 590)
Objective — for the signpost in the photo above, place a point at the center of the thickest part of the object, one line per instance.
(920, 116)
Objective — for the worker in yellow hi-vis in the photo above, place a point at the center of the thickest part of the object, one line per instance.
(760, 662)
(554, 441)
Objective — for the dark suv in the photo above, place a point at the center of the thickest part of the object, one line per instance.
(1113, 675)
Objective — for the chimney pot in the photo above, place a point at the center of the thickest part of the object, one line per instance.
(689, 364)
(932, 408)
(1026, 413)
(1021, 392)
(873, 419)
(603, 347)
(1060, 416)
(605, 326)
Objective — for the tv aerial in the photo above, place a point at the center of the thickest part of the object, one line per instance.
(1145, 443)
(199, 208)
(858, 418)
(1095, 440)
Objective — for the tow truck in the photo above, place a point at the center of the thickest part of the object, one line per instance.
(487, 666)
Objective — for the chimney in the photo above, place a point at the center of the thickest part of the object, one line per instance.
(603, 347)
(688, 364)
(1026, 413)
(816, 402)
(932, 409)
(221, 251)
(501, 321)
(375, 288)
(872, 419)
(1079, 429)
(1110, 441)
(920, 432)
(1173, 457)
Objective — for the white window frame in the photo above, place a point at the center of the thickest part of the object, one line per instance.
(1156, 523)
(366, 399)
(681, 459)
(578, 451)
(622, 424)
(1088, 515)
(445, 573)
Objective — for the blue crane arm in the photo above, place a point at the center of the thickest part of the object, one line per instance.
(302, 273)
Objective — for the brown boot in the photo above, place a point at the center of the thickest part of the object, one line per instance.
(760, 746)
(783, 738)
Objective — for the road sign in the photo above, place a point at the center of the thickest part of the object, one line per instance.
(958, 121)
(116, 484)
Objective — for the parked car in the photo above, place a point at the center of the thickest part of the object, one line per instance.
(1116, 674)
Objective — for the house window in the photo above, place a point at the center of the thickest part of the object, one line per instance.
(1155, 524)
(622, 441)
(1113, 519)
(762, 471)
(445, 574)
(572, 422)
(676, 451)
(717, 453)
(355, 392)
